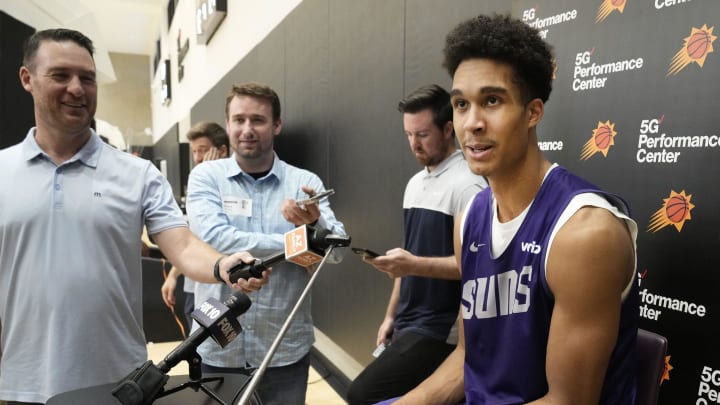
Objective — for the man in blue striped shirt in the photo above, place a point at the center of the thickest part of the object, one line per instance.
(248, 202)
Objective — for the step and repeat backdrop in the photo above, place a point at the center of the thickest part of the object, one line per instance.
(635, 109)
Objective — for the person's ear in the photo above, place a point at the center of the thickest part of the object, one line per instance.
(448, 130)
(277, 127)
(535, 110)
(25, 79)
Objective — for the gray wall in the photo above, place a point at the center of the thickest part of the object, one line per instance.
(340, 67)
(16, 105)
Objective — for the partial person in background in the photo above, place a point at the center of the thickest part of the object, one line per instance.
(72, 209)
(208, 141)
(423, 306)
(248, 202)
(549, 297)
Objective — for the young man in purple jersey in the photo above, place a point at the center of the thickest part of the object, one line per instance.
(549, 302)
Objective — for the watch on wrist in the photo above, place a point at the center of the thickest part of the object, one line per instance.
(216, 270)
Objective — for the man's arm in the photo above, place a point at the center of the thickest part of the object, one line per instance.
(589, 265)
(197, 258)
(447, 384)
(399, 262)
(168, 287)
(386, 327)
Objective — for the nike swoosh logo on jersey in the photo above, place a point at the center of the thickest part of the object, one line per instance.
(474, 247)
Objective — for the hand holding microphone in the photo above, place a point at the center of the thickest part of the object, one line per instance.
(304, 246)
(239, 260)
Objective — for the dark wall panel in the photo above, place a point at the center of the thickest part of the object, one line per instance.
(305, 136)
(365, 80)
(16, 114)
(426, 25)
(211, 107)
(270, 60)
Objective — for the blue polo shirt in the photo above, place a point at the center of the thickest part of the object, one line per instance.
(70, 266)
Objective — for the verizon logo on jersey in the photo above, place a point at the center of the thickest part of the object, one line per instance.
(531, 247)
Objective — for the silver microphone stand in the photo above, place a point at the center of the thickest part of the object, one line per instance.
(271, 352)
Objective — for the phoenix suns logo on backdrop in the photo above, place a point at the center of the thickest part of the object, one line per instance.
(607, 7)
(603, 137)
(674, 211)
(695, 49)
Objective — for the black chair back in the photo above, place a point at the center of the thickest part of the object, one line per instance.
(651, 351)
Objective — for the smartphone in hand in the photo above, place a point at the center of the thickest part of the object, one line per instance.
(365, 252)
(316, 198)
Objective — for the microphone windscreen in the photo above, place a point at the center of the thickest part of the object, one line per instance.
(317, 239)
(299, 248)
(238, 303)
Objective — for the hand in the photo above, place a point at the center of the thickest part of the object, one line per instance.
(212, 154)
(247, 286)
(168, 290)
(252, 284)
(297, 215)
(385, 332)
(395, 263)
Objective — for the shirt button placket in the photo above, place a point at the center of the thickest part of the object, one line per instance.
(58, 192)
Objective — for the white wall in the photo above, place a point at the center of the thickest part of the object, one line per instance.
(125, 103)
(246, 24)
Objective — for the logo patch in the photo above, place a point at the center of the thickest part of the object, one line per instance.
(531, 247)
(474, 247)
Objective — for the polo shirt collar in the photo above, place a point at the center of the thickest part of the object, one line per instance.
(89, 154)
(445, 164)
(233, 169)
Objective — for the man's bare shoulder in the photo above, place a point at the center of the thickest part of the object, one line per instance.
(593, 243)
(593, 223)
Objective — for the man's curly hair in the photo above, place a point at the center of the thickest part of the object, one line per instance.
(505, 39)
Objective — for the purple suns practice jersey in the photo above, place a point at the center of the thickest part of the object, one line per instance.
(507, 304)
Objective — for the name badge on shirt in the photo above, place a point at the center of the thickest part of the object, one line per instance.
(237, 206)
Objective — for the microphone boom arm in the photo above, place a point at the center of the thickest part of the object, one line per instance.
(250, 388)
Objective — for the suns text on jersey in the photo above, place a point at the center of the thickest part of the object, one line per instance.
(497, 295)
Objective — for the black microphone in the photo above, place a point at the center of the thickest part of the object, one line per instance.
(304, 245)
(216, 319)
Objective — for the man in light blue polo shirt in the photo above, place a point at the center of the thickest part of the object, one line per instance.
(72, 211)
